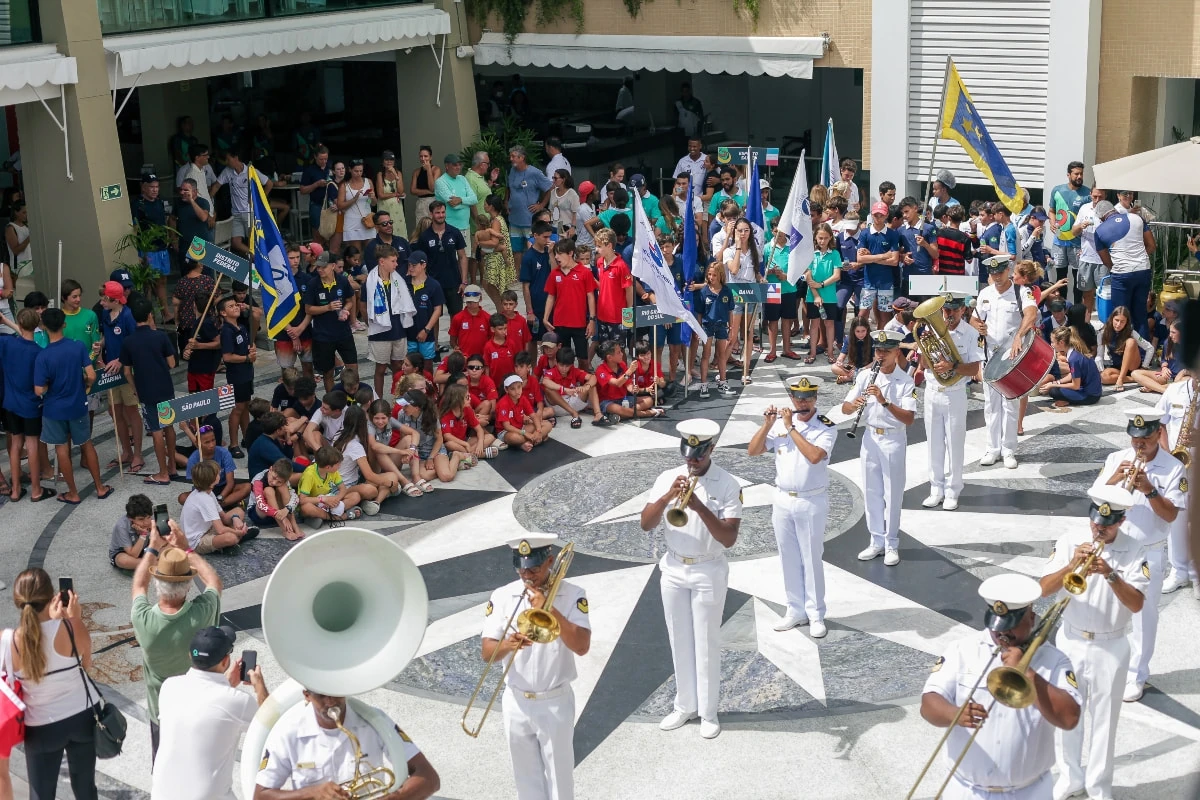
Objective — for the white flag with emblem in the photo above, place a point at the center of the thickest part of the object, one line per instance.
(796, 224)
(651, 270)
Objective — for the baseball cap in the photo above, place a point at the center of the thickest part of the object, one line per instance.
(763, 183)
(511, 379)
(122, 277)
(1039, 213)
(388, 154)
(114, 291)
(211, 645)
(451, 158)
(417, 257)
(879, 207)
(323, 259)
(149, 177)
(313, 249)
(1103, 209)
(585, 189)
(904, 304)
(637, 181)
(549, 337)
(472, 293)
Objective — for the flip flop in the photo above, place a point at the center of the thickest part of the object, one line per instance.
(138, 468)
(65, 500)
(576, 422)
(792, 356)
(107, 494)
(151, 482)
(770, 359)
(47, 493)
(20, 494)
(113, 464)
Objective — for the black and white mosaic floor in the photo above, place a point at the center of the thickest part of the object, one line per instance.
(832, 718)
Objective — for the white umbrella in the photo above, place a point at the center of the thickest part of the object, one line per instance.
(1174, 169)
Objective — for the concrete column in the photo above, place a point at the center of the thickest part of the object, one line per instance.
(889, 96)
(71, 210)
(162, 104)
(1074, 80)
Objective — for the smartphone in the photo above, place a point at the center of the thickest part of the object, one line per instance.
(65, 585)
(249, 662)
(160, 520)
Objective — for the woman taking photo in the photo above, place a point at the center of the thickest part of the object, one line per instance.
(354, 201)
(564, 203)
(58, 718)
(423, 179)
(389, 192)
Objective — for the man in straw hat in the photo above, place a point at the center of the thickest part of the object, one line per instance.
(802, 441)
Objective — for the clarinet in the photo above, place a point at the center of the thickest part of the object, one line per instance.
(850, 434)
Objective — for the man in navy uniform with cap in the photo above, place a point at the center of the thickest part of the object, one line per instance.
(1013, 752)
(1159, 488)
(695, 574)
(802, 441)
(539, 704)
(890, 399)
(1093, 633)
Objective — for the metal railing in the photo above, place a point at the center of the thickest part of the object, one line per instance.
(1172, 254)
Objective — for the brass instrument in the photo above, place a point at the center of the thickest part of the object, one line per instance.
(539, 625)
(850, 434)
(677, 514)
(935, 342)
(369, 782)
(1075, 581)
(1138, 466)
(1183, 445)
(1010, 685)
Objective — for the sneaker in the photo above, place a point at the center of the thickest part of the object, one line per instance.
(1010, 461)
(870, 553)
(988, 459)
(950, 503)
(818, 629)
(1175, 582)
(370, 507)
(933, 501)
(236, 452)
(710, 729)
(704, 390)
(790, 621)
(354, 513)
(723, 388)
(892, 558)
(614, 418)
(674, 720)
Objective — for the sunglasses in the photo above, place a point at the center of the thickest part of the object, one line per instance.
(358, 162)
(387, 224)
(474, 369)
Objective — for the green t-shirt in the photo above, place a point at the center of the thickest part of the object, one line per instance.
(650, 206)
(606, 216)
(82, 326)
(482, 190)
(719, 197)
(770, 214)
(777, 258)
(166, 639)
(822, 269)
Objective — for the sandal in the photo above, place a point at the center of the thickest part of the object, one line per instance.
(490, 452)
(412, 490)
(770, 358)
(809, 359)
(425, 486)
(576, 422)
(789, 354)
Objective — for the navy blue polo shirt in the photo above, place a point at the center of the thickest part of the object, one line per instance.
(535, 270)
(235, 340)
(442, 252)
(151, 212)
(59, 367)
(19, 356)
(114, 331)
(426, 299)
(205, 362)
(146, 351)
(312, 174)
(327, 327)
(878, 276)
(399, 243)
(847, 244)
(922, 261)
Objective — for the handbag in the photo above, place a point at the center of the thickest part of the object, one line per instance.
(110, 722)
(12, 707)
(329, 217)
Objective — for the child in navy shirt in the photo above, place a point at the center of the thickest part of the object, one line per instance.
(238, 352)
(716, 306)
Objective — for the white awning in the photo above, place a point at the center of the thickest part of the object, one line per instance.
(200, 52)
(31, 71)
(776, 56)
(1174, 169)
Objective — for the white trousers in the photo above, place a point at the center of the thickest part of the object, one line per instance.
(799, 524)
(1178, 551)
(693, 598)
(1099, 668)
(1145, 622)
(1040, 789)
(883, 484)
(541, 744)
(946, 432)
(1001, 417)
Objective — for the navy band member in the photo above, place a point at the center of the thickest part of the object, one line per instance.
(891, 403)
(695, 573)
(1173, 405)
(1093, 634)
(306, 748)
(539, 704)
(1013, 753)
(802, 441)
(1160, 495)
(946, 408)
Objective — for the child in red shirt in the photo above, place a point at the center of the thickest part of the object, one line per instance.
(545, 362)
(498, 353)
(615, 286)
(515, 417)
(571, 301)
(647, 378)
(614, 384)
(469, 328)
(572, 389)
(518, 329)
(523, 369)
(461, 431)
(482, 390)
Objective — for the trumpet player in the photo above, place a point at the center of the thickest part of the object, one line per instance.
(539, 704)
(888, 399)
(306, 747)
(1158, 483)
(1178, 406)
(946, 407)
(1093, 634)
(1014, 750)
(802, 440)
(695, 574)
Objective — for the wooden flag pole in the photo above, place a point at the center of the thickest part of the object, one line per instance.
(112, 407)
(203, 314)
(653, 365)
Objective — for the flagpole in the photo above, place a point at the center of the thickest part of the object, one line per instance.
(112, 407)
(928, 193)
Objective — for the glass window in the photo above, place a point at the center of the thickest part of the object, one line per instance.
(127, 16)
(19, 22)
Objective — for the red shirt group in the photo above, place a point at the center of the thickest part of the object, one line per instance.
(484, 390)
(500, 359)
(570, 291)
(471, 331)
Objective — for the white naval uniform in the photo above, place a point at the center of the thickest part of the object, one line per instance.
(800, 508)
(1173, 405)
(946, 418)
(301, 751)
(539, 704)
(1013, 753)
(1093, 636)
(695, 576)
(884, 439)
(1150, 530)
(1002, 315)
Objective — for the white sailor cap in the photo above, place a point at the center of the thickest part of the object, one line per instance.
(532, 549)
(804, 386)
(697, 436)
(1109, 504)
(1007, 597)
(955, 299)
(1143, 422)
(998, 262)
(887, 339)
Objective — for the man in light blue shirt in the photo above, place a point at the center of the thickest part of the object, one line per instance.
(528, 192)
(453, 189)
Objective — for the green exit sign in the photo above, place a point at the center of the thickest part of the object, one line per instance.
(112, 192)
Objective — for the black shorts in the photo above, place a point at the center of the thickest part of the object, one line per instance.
(784, 309)
(610, 332)
(574, 338)
(323, 354)
(27, 426)
(815, 313)
(243, 391)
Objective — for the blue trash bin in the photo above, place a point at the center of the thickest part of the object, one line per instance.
(1104, 306)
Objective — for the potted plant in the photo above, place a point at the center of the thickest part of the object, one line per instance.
(139, 240)
(497, 144)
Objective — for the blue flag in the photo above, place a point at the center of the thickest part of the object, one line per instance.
(281, 297)
(831, 171)
(754, 209)
(961, 122)
(689, 254)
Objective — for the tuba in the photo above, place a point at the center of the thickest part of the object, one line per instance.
(935, 342)
(343, 614)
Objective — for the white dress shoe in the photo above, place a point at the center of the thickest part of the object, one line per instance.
(789, 622)
(1010, 461)
(1196, 589)
(988, 459)
(950, 503)
(1068, 793)
(892, 558)
(676, 719)
(1175, 582)
(1133, 693)
(818, 630)
(710, 729)
(933, 501)
(870, 552)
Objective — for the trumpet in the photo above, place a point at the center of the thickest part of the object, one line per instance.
(1131, 475)
(1075, 581)
(369, 782)
(677, 514)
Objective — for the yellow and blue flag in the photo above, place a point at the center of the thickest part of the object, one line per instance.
(962, 123)
(281, 297)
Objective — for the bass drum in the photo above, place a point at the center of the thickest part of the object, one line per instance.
(1017, 377)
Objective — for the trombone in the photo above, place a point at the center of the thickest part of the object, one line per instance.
(677, 514)
(539, 625)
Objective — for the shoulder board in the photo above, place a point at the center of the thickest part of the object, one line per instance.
(825, 420)
(1183, 485)
(1072, 680)
(403, 736)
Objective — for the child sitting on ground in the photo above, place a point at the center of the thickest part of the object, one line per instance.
(523, 369)
(350, 384)
(515, 420)
(131, 533)
(384, 454)
(274, 501)
(414, 364)
(284, 398)
(206, 526)
(323, 495)
(258, 407)
(357, 473)
(428, 457)
(482, 389)
(229, 493)
(459, 423)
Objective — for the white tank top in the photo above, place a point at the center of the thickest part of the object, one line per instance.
(56, 696)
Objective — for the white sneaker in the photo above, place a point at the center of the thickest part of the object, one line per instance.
(933, 501)
(1010, 461)
(1175, 582)
(1068, 793)
(818, 630)
(1133, 692)
(1196, 589)
(710, 729)
(988, 459)
(892, 558)
(870, 552)
(950, 503)
(369, 507)
(674, 720)
(790, 621)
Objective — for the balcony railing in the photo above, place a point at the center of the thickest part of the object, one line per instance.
(19, 22)
(129, 16)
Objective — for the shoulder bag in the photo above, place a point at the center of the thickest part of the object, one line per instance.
(329, 216)
(110, 722)
(12, 708)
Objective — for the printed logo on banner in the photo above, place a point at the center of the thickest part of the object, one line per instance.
(774, 294)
